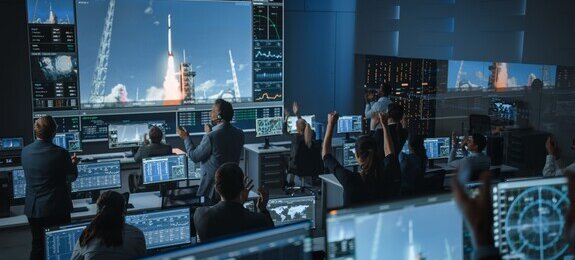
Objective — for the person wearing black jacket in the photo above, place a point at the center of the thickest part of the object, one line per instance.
(373, 182)
(229, 216)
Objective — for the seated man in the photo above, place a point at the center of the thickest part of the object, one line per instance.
(229, 216)
(473, 161)
(154, 147)
(552, 165)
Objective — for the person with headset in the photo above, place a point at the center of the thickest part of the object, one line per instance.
(221, 144)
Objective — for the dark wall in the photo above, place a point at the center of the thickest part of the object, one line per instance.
(15, 98)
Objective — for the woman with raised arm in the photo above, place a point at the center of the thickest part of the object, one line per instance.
(370, 183)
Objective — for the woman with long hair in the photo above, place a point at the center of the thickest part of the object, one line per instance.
(108, 236)
(371, 183)
(413, 163)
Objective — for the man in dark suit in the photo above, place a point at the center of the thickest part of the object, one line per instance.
(155, 148)
(222, 144)
(49, 170)
(229, 216)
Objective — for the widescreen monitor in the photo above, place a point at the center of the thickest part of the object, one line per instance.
(349, 155)
(98, 176)
(437, 147)
(92, 70)
(349, 124)
(69, 141)
(285, 242)
(424, 228)
(164, 169)
(269, 126)
(529, 218)
(292, 122)
(131, 135)
(163, 228)
(18, 184)
(60, 241)
(288, 210)
(11, 143)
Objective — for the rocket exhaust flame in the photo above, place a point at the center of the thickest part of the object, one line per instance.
(172, 92)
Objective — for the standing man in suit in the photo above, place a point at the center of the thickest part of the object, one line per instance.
(229, 216)
(49, 170)
(154, 147)
(222, 144)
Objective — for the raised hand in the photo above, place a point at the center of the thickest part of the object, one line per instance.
(295, 108)
(182, 132)
(264, 197)
(332, 118)
(248, 185)
(207, 128)
(74, 159)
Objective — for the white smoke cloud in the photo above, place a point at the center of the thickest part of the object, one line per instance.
(154, 94)
(149, 9)
(118, 94)
(512, 82)
(207, 84)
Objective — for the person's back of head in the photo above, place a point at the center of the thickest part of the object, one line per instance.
(155, 134)
(395, 112)
(226, 110)
(229, 181)
(480, 141)
(366, 154)
(45, 128)
(109, 221)
(385, 90)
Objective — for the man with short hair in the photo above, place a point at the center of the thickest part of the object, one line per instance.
(474, 161)
(375, 107)
(222, 144)
(49, 170)
(229, 216)
(153, 147)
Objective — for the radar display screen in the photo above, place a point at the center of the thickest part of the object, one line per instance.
(529, 218)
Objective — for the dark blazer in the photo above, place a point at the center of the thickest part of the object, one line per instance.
(49, 172)
(227, 218)
(151, 150)
(223, 144)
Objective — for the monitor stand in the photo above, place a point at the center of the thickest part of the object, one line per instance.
(348, 138)
(266, 144)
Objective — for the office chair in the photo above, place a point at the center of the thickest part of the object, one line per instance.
(309, 164)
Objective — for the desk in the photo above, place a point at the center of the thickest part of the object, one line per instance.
(266, 166)
(502, 168)
(141, 201)
(124, 157)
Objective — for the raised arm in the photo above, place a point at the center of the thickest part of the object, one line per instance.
(331, 122)
(388, 145)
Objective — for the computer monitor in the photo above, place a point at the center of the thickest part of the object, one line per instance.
(18, 184)
(250, 205)
(131, 135)
(349, 155)
(285, 242)
(437, 147)
(529, 218)
(292, 209)
(292, 120)
(349, 124)
(163, 228)
(430, 228)
(11, 143)
(165, 169)
(69, 141)
(268, 126)
(98, 176)
(60, 241)
(194, 170)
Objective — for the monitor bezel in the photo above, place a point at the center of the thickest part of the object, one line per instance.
(268, 135)
(21, 139)
(148, 211)
(449, 144)
(313, 220)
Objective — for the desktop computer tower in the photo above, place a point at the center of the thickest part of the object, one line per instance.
(4, 194)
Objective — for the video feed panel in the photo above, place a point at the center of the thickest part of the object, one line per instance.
(163, 228)
(349, 124)
(292, 209)
(244, 118)
(11, 143)
(397, 231)
(530, 218)
(437, 148)
(69, 141)
(97, 176)
(96, 127)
